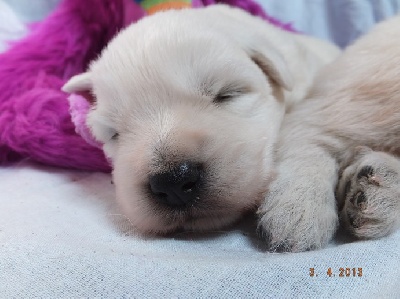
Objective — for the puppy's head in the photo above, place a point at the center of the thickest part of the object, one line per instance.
(188, 115)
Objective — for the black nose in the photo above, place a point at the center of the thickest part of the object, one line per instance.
(178, 187)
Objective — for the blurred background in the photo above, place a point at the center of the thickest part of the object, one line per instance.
(340, 21)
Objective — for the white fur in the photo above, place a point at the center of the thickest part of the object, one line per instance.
(355, 102)
(154, 85)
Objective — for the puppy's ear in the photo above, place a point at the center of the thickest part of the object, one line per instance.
(273, 65)
(251, 33)
(80, 84)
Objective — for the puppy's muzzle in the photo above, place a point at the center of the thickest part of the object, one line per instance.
(180, 186)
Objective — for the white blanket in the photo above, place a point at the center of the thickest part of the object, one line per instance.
(60, 236)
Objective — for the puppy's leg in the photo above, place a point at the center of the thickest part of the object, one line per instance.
(370, 191)
(299, 212)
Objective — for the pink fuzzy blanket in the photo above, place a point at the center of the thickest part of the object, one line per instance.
(34, 113)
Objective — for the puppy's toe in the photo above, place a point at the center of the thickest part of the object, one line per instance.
(303, 235)
(355, 219)
(365, 172)
(359, 200)
(371, 198)
(273, 244)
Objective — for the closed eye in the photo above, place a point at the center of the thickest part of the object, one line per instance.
(221, 98)
(228, 93)
(115, 136)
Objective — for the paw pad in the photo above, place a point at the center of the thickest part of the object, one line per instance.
(354, 221)
(366, 171)
(359, 199)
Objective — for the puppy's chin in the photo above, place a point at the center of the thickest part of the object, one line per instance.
(213, 222)
(164, 221)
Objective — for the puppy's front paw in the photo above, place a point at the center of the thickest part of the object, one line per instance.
(298, 215)
(370, 189)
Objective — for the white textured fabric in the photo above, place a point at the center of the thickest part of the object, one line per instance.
(60, 237)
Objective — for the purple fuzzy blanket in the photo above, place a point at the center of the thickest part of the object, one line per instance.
(34, 113)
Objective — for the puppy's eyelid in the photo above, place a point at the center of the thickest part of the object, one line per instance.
(221, 98)
(225, 95)
(115, 136)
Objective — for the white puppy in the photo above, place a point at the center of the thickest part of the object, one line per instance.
(355, 102)
(189, 105)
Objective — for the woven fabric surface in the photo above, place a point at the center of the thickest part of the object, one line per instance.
(61, 238)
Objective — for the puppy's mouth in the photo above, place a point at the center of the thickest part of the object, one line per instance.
(181, 214)
(208, 215)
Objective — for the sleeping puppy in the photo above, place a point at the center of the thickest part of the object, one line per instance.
(346, 136)
(188, 105)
